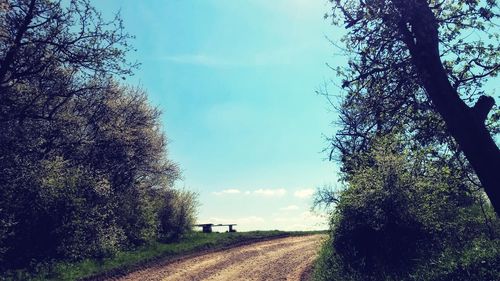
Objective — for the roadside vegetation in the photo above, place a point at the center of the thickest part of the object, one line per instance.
(416, 201)
(85, 172)
(403, 217)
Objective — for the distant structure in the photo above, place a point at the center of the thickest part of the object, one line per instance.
(207, 227)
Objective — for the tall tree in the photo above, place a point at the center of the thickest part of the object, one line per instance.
(60, 50)
(84, 169)
(416, 56)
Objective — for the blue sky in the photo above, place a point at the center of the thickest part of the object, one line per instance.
(236, 82)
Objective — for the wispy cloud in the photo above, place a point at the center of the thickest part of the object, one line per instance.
(270, 192)
(262, 192)
(227, 192)
(279, 55)
(304, 193)
(215, 61)
(248, 219)
(305, 220)
(290, 208)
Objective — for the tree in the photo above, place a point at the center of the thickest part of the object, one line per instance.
(84, 169)
(416, 57)
(59, 51)
(176, 214)
(86, 182)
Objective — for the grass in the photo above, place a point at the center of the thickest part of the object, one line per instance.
(479, 259)
(127, 261)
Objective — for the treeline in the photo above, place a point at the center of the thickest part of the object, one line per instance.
(83, 159)
(411, 205)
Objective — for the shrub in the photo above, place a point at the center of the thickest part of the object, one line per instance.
(404, 219)
(90, 195)
(177, 213)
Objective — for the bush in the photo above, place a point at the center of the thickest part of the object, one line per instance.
(329, 266)
(404, 219)
(93, 192)
(478, 260)
(79, 209)
(177, 213)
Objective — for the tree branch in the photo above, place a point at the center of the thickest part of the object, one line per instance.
(482, 107)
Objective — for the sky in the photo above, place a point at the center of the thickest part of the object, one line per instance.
(236, 83)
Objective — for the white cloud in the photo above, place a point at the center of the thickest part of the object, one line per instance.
(304, 193)
(270, 192)
(250, 58)
(259, 192)
(227, 191)
(290, 208)
(241, 220)
(242, 223)
(304, 221)
(280, 54)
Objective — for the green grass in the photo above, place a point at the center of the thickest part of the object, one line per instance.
(129, 260)
(479, 260)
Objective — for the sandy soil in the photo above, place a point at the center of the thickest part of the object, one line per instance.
(278, 259)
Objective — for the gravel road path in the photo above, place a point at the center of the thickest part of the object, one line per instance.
(287, 258)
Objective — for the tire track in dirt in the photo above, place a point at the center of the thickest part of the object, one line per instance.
(278, 259)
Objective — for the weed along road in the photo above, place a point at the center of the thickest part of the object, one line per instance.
(287, 258)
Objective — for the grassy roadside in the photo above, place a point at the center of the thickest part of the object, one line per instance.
(127, 261)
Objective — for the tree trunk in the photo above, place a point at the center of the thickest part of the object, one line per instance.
(465, 124)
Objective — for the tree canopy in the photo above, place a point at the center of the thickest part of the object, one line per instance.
(422, 64)
(84, 165)
(416, 143)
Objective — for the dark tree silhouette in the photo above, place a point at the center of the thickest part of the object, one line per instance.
(416, 55)
(62, 47)
(84, 168)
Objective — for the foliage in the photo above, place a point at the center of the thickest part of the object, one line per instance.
(404, 217)
(383, 88)
(83, 160)
(328, 266)
(413, 66)
(416, 143)
(177, 213)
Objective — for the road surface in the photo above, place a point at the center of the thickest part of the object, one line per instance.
(287, 258)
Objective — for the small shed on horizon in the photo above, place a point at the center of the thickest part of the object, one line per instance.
(207, 227)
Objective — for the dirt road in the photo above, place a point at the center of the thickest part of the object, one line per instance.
(279, 259)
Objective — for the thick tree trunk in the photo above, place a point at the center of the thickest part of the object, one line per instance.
(465, 124)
